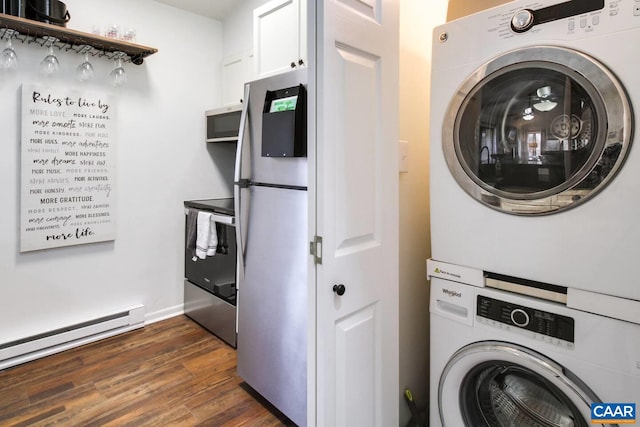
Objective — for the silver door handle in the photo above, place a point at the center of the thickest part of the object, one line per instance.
(241, 135)
(237, 190)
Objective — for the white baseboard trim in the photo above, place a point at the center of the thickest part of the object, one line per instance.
(55, 341)
(164, 314)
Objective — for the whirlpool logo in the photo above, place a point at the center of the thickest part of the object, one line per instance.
(613, 413)
(451, 293)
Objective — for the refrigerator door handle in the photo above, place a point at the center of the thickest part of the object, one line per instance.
(237, 188)
(241, 222)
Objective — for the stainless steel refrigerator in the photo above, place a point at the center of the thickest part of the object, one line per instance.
(271, 206)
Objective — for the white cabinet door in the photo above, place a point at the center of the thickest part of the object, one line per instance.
(236, 71)
(279, 37)
(356, 63)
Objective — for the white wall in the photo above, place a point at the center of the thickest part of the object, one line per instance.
(237, 37)
(417, 19)
(237, 28)
(162, 160)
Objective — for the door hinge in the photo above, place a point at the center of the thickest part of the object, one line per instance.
(315, 249)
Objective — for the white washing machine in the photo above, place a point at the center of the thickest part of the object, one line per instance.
(535, 171)
(503, 359)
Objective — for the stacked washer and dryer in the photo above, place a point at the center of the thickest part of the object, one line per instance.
(535, 213)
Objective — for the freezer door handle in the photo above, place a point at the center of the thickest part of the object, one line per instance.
(242, 134)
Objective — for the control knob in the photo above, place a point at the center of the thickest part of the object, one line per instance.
(519, 317)
(522, 21)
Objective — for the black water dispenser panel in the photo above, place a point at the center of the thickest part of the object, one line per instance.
(284, 123)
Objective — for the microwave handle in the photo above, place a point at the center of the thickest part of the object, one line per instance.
(238, 187)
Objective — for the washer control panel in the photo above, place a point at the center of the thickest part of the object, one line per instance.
(543, 325)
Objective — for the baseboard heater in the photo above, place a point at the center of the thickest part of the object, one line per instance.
(41, 345)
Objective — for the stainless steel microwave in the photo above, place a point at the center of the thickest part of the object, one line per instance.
(223, 124)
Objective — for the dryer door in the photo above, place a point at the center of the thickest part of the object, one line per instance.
(537, 130)
(495, 384)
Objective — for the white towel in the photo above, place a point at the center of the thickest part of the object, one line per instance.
(206, 236)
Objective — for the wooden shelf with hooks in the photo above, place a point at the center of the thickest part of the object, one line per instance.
(35, 31)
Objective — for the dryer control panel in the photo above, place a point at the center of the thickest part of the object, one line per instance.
(540, 323)
(524, 19)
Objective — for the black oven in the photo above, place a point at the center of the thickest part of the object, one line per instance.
(210, 280)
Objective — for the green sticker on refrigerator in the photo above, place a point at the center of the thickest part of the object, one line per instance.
(284, 104)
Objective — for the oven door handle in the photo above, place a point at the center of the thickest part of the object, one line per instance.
(222, 219)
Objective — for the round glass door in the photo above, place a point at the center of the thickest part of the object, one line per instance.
(537, 130)
(497, 384)
(503, 394)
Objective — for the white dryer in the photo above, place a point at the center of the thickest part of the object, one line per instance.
(534, 169)
(503, 359)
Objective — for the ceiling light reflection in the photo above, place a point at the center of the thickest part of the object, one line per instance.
(527, 114)
(545, 105)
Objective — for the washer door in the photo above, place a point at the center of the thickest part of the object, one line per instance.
(537, 130)
(497, 384)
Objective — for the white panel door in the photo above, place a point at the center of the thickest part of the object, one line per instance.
(357, 213)
(236, 71)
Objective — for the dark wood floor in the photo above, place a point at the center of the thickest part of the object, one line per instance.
(170, 373)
